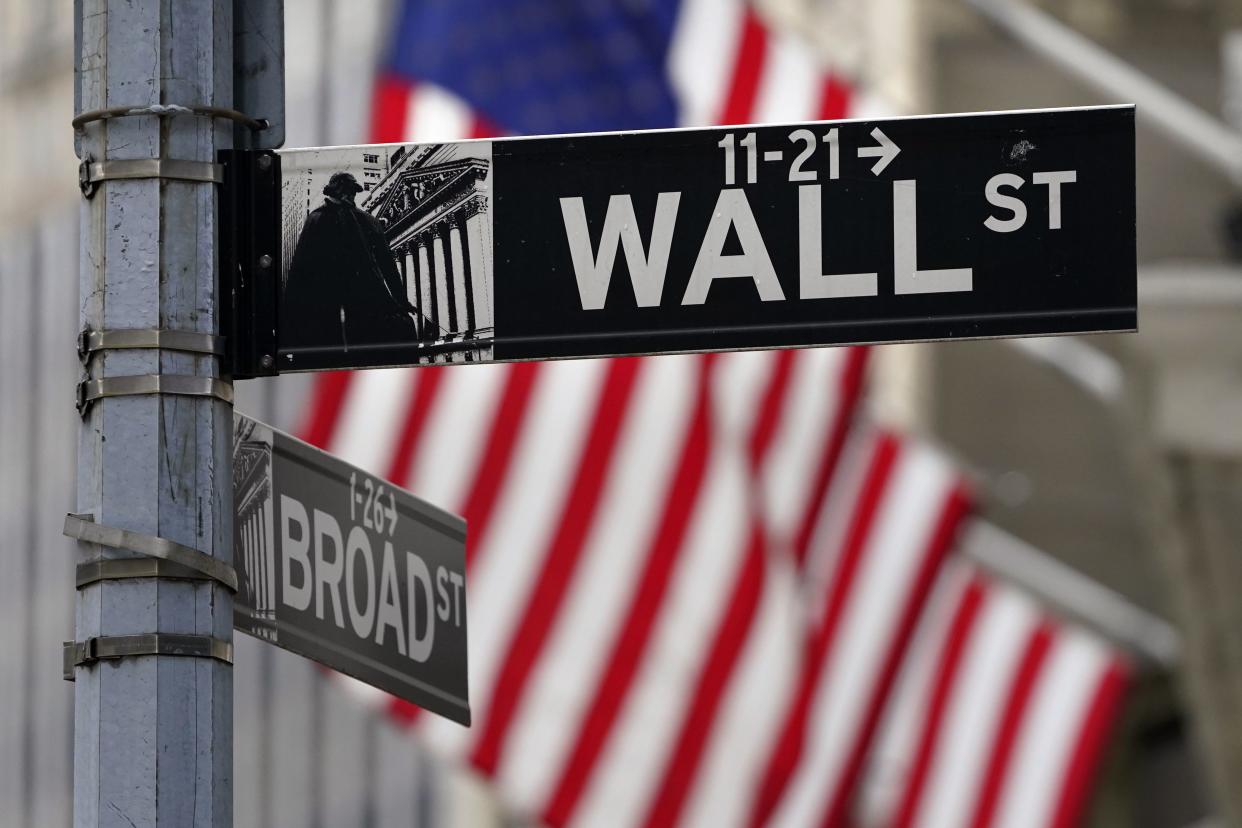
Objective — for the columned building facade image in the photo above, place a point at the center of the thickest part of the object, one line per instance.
(433, 204)
(253, 528)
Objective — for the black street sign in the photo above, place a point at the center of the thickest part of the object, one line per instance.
(946, 227)
(348, 570)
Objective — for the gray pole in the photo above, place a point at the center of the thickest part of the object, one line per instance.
(153, 733)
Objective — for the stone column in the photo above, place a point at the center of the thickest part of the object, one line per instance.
(269, 557)
(411, 282)
(444, 281)
(256, 551)
(399, 255)
(427, 288)
(462, 293)
(478, 241)
(248, 543)
(248, 551)
(260, 569)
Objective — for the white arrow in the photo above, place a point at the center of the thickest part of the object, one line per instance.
(886, 151)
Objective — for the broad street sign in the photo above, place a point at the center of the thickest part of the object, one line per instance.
(348, 570)
(947, 227)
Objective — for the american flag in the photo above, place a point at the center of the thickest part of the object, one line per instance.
(692, 580)
(999, 717)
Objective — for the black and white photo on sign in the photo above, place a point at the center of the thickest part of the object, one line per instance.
(254, 542)
(389, 246)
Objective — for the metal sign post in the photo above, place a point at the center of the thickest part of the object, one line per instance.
(349, 570)
(151, 659)
(259, 70)
(948, 227)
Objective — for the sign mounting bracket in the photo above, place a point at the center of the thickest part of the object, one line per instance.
(250, 260)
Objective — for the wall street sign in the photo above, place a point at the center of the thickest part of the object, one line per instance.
(945, 227)
(348, 570)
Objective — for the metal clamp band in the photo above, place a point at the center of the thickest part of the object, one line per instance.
(168, 110)
(77, 653)
(84, 528)
(120, 569)
(90, 172)
(179, 384)
(195, 343)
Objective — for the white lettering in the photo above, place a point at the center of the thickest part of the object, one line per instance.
(1006, 202)
(647, 271)
(733, 210)
(813, 283)
(1054, 180)
(389, 601)
(416, 573)
(443, 605)
(328, 573)
(459, 584)
(295, 552)
(363, 620)
(907, 278)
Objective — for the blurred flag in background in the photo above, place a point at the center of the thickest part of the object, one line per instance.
(694, 580)
(1000, 715)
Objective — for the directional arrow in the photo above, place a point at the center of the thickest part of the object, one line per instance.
(886, 151)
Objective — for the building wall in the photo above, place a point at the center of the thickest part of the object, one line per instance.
(1055, 457)
(38, 439)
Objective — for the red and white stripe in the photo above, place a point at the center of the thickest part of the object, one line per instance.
(404, 111)
(727, 67)
(884, 530)
(619, 574)
(612, 526)
(689, 587)
(999, 716)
